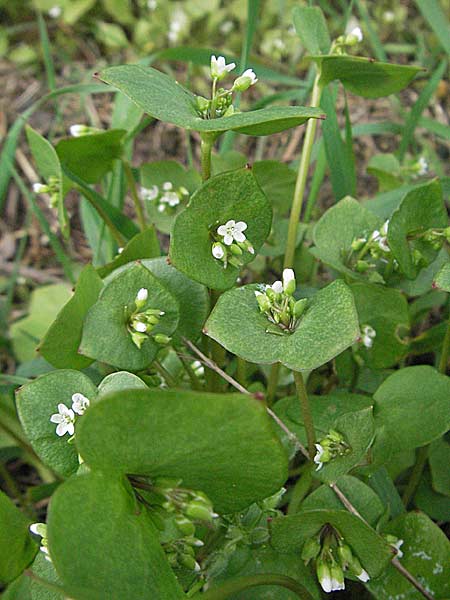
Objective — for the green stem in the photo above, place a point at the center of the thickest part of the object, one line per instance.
(240, 584)
(11, 485)
(170, 380)
(272, 383)
(104, 215)
(302, 176)
(445, 351)
(306, 412)
(206, 148)
(416, 474)
(301, 488)
(134, 194)
(241, 370)
(195, 381)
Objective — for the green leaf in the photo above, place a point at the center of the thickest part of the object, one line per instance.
(46, 571)
(439, 459)
(277, 181)
(311, 28)
(48, 165)
(421, 209)
(386, 168)
(158, 173)
(426, 551)
(121, 380)
(289, 534)
(328, 327)
(435, 505)
(337, 228)
(365, 77)
(105, 334)
(363, 498)
(16, 546)
(442, 279)
(411, 409)
(121, 553)
(38, 401)
(165, 99)
(386, 311)
(76, 9)
(222, 444)
(424, 281)
(143, 245)
(437, 19)
(45, 303)
(233, 195)
(61, 342)
(91, 156)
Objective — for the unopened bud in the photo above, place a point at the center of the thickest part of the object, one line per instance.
(234, 248)
(311, 549)
(263, 301)
(247, 79)
(199, 511)
(161, 338)
(299, 307)
(289, 284)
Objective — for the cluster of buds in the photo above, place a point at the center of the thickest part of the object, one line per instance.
(166, 198)
(368, 335)
(52, 188)
(82, 130)
(142, 322)
(230, 243)
(333, 558)
(330, 447)
(436, 237)
(371, 246)
(277, 302)
(181, 553)
(65, 417)
(352, 37)
(221, 102)
(40, 529)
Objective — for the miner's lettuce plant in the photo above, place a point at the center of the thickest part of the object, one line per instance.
(238, 418)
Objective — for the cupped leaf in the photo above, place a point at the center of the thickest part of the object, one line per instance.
(363, 76)
(423, 208)
(230, 196)
(439, 459)
(105, 333)
(143, 245)
(91, 156)
(165, 99)
(362, 497)
(38, 401)
(442, 279)
(337, 228)
(386, 311)
(328, 327)
(411, 409)
(49, 166)
(121, 380)
(17, 549)
(290, 533)
(121, 556)
(426, 552)
(277, 181)
(44, 569)
(164, 172)
(61, 342)
(222, 444)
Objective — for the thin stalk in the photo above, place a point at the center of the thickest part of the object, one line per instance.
(306, 412)
(11, 485)
(445, 351)
(170, 380)
(241, 370)
(302, 176)
(234, 586)
(195, 381)
(135, 196)
(301, 488)
(272, 383)
(205, 149)
(416, 474)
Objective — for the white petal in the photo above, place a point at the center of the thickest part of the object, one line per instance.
(241, 226)
(167, 186)
(142, 295)
(326, 584)
(239, 236)
(363, 576)
(56, 418)
(61, 429)
(228, 239)
(141, 327)
(277, 287)
(222, 230)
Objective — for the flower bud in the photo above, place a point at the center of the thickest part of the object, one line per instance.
(141, 297)
(345, 555)
(311, 549)
(79, 130)
(277, 287)
(356, 569)
(234, 248)
(218, 250)
(161, 338)
(199, 511)
(202, 104)
(40, 188)
(299, 307)
(263, 302)
(244, 81)
(337, 578)
(289, 284)
(362, 266)
(358, 244)
(186, 526)
(323, 575)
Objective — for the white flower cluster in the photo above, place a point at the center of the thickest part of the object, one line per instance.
(52, 188)
(277, 302)
(41, 530)
(230, 243)
(368, 335)
(374, 245)
(65, 417)
(167, 198)
(330, 447)
(142, 322)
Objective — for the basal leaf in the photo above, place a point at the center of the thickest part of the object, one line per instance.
(327, 328)
(222, 444)
(230, 196)
(143, 245)
(165, 99)
(38, 401)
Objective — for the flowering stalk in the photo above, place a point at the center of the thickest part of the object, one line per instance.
(134, 194)
(306, 413)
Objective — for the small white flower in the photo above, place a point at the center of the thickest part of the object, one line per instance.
(119, 250)
(336, 585)
(318, 459)
(65, 418)
(368, 335)
(384, 228)
(219, 68)
(55, 12)
(423, 166)
(40, 188)
(226, 27)
(289, 280)
(218, 251)
(38, 529)
(251, 75)
(78, 130)
(244, 81)
(363, 576)
(167, 186)
(152, 4)
(232, 231)
(170, 198)
(142, 295)
(277, 287)
(327, 584)
(149, 193)
(183, 191)
(79, 403)
(397, 546)
(356, 31)
(140, 327)
(388, 16)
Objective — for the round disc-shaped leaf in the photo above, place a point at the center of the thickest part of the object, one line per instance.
(160, 173)
(222, 444)
(229, 196)
(363, 76)
(121, 556)
(165, 99)
(289, 534)
(105, 333)
(121, 380)
(442, 279)
(38, 401)
(327, 328)
(337, 228)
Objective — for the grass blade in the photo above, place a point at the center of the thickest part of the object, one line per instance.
(436, 19)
